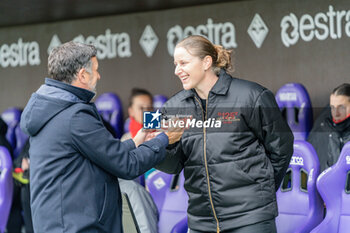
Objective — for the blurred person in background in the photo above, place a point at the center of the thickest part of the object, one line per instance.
(140, 100)
(331, 129)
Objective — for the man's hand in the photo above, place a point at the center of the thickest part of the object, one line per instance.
(174, 136)
(25, 164)
(140, 137)
(175, 133)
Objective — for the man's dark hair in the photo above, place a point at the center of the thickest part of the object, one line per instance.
(136, 92)
(343, 89)
(66, 60)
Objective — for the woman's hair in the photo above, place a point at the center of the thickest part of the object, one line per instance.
(200, 46)
(343, 89)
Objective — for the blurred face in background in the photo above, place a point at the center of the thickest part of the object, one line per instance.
(340, 107)
(140, 103)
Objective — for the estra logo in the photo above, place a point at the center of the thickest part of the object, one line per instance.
(332, 24)
(218, 33)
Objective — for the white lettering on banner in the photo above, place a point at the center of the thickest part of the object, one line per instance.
(321, 26)
(108, 45)
(20, 54)
(297, 161)
(218, 33)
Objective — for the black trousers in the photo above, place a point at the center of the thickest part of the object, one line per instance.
(27, 215)
(268, 226)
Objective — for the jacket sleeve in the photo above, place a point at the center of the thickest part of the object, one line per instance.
(121, 159)
(174, 160)
(273, 132)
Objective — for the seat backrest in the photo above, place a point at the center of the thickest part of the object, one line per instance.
(295, 104)
(180, 227)
(21, 139)
(175, 205)
(334, 187)
(11, 116)
(158, 183)
(299, 204)
(158, 101)
(110, 108)
(171, 199)
(6, 186)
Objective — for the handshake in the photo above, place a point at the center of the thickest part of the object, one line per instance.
(174, 133)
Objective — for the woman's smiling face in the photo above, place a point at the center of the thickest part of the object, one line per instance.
(190, 69)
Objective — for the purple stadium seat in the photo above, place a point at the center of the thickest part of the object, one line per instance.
(11, 116)
(334, 186)
(110, 107)
(180, 227)
(158, 184)
(294, 102)
(175, 205)
(158, 101)
(21, 139)
(6, 186)
(299, 204)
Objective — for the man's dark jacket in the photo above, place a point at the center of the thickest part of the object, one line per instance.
(328, 138)
(75, 162)
(231, 172)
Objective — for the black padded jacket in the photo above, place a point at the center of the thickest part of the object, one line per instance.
(232, 171)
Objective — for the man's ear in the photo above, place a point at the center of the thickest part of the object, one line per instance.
(81, 76)
(208, 61)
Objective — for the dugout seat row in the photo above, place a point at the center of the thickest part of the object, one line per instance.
(304, 192)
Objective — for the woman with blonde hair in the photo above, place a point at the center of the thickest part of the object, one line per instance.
(233, 166)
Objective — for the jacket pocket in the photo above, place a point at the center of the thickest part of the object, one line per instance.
(107, 204)
(243, 174)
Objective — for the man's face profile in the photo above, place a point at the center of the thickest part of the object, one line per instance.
(340, 107)
(94, 76)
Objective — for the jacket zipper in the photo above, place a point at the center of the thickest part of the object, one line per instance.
(205, 162)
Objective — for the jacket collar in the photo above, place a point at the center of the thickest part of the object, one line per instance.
(220, 88)
(223, 84)
(81, 93)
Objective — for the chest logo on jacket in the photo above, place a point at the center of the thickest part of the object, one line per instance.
(227, 117)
